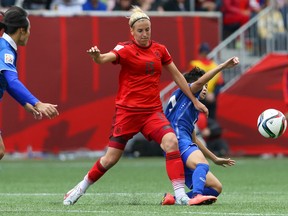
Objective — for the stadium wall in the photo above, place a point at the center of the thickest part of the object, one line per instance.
(55, 67)
(262, 87)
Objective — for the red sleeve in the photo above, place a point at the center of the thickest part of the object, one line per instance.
(119, 51)
(166, 59)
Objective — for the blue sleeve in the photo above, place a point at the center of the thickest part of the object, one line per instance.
(17, 90)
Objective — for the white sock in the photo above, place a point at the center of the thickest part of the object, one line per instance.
(179, 193)
(85, 183)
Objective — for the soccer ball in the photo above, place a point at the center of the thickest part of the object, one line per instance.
(271, 123)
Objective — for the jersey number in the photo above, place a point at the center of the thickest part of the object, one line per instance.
(150, 68)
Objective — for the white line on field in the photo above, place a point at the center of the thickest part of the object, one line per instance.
(150, 212)
(86, 194)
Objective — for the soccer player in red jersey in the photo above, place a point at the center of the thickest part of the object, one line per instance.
(138, 104)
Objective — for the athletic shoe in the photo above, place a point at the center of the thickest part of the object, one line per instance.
(183, 200)
(73, 195)
(168, 199)
(200, 199)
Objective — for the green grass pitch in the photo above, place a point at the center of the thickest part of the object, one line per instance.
(253, 187)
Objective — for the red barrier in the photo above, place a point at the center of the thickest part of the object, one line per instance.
(239, 107)
(56, 68)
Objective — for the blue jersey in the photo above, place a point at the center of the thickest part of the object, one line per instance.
(8, 73)
(8, 58)
(182, 115)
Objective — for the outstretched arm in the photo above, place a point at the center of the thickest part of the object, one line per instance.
(183, 85)
(198, 85)
(219, 161)
(99, 58)
(23, 96)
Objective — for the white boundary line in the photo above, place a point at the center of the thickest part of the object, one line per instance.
(150, 212)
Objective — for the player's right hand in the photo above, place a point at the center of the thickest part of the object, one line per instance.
(94, 52)
(202, 108)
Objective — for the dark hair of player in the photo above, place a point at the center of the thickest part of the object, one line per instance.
(14, 18)
(194, 74)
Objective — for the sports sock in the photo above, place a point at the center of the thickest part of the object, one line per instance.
(199, 178)
(208, 191)
(85, 183)
(175, 171)
(96, 172)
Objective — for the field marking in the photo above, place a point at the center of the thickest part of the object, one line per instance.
(150, 212)
(86, 194)
(132, 194)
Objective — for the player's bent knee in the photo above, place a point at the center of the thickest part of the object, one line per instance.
(218, 187)
(169, 143)
(2, 153)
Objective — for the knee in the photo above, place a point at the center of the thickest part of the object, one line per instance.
(169, 142)
(218, 187)
(2, 153)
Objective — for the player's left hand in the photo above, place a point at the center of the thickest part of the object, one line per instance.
(29, 108)
(224, 162)
(49, 110)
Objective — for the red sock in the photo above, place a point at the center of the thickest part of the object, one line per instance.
(175, 169)
(96, 172)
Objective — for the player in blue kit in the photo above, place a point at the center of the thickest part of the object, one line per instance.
(181, 113)
(16, 27)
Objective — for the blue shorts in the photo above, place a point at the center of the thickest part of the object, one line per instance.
(186, 145)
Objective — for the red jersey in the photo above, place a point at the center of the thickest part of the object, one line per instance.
(139, 78)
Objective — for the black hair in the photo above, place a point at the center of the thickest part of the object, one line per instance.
(194, 74)
(14, 18)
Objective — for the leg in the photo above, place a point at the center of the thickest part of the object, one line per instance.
(2, 147)
(213, 185)
(104, 163)
(197, 162)
(174, 167)
(198, 166)
(158, 128)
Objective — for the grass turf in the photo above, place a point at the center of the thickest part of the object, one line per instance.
(135, 187)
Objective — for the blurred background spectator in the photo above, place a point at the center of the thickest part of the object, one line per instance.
(67, 5)
(215, 84)
(36, 4)
(207, 5)
(94, 5)
(150, 5)
(283, 7)
(236, 13)
(176, 5)
(272, 26)
(123, 5)
(7, 3)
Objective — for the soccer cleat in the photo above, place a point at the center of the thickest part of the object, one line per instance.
(200, 199)
(183, 200)
(73, 195)
(168, 199)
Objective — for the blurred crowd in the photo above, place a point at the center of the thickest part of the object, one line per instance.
(235, 12)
